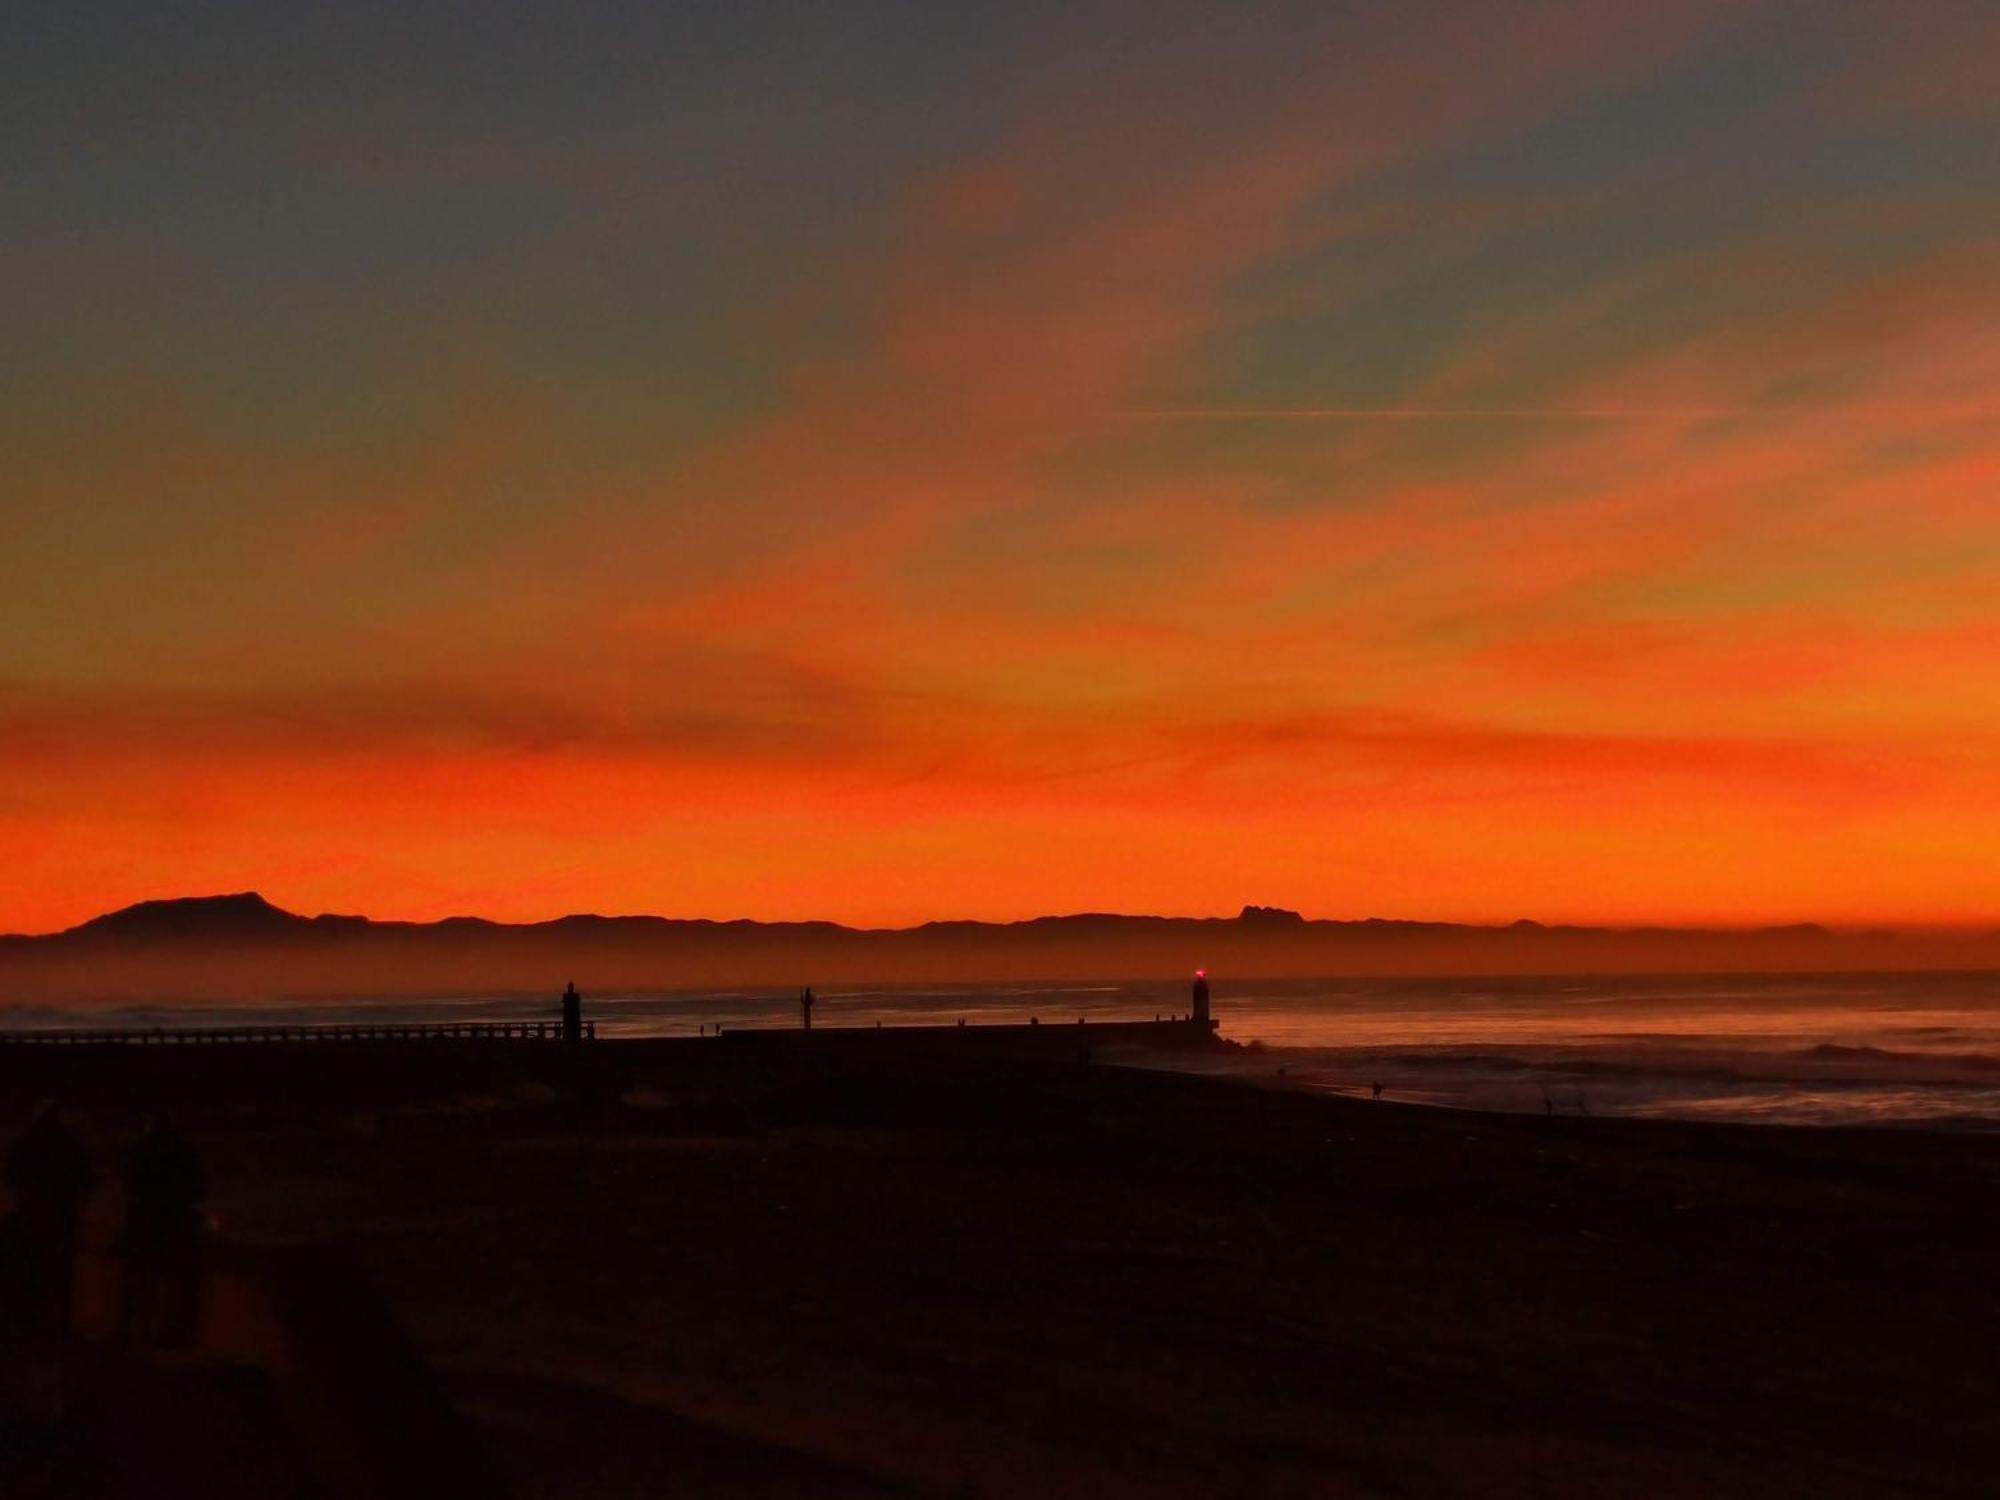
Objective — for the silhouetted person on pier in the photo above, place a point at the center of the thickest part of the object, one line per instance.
(806, 1007)
(164, 1187)
(49, 1176)
(572, 1003)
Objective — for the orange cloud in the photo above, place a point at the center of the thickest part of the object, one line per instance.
(1690, 622)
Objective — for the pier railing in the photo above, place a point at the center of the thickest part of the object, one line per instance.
(205, 1036)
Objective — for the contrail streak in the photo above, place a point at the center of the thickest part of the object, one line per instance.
(1434, 414)
(1880, 413)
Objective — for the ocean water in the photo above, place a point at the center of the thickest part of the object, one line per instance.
(1907, 1050)
(1904, 1050)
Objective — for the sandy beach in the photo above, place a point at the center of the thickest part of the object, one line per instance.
(894, 1268)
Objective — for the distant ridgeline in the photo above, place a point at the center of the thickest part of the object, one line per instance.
(241, 946)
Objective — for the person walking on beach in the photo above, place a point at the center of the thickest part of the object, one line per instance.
(49, 1177)
(164, 1186)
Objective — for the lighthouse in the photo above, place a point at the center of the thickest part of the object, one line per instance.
(1200, 1014)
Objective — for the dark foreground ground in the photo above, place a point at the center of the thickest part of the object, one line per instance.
(867, 1271)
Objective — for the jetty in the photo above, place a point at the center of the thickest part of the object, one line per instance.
(1196, 1025)
(227, 1036)
(1051, 1035)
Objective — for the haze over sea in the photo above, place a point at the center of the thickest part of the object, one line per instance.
(1898, 1049)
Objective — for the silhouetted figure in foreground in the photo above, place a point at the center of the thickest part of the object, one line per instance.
(49, 1175)
(806, 1007)
(164, 1187)
(572, 1023)
(1375, 1090)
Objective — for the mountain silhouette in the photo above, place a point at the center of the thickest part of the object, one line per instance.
(245, 914)
(241, 946)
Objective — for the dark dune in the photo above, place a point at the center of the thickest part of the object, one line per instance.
(887, 1269)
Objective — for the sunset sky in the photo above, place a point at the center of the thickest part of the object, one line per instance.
(880, 462)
